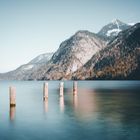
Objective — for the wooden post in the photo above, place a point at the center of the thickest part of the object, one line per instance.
(45, 91)
(12, 91)
(74, 88)
(61, 89)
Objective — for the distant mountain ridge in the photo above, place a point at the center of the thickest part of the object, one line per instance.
(23, 72)
(43, 58)
(112, 53)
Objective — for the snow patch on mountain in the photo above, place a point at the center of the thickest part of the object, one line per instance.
(74, 67)
(113, 31)
(131, 24)
(28, 67)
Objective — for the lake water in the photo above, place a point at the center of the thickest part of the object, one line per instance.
(103, 110)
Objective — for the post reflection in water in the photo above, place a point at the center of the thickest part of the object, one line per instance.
(113, 107)
(12, 113)
(61, 103)
(45, 104)
(75, 101)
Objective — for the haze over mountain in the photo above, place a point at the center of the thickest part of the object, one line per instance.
(43, 58)
(23, 72)
(110, 54)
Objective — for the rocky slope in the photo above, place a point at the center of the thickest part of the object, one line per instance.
(71, 55)
(119, 60)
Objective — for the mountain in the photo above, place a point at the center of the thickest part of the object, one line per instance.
(77, 50)
(113, 53)
(43, 58)
(23, 72)
(111, 30)
(119, 60)
(70, 56)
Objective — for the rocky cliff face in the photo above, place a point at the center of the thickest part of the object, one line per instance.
(119, 60)
(71, 55)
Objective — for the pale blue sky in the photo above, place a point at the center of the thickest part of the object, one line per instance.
(31, 27)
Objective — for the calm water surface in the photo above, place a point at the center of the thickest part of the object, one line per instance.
(103, 110)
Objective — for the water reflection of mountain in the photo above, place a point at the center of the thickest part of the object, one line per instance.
(119, 106)
(111, 106)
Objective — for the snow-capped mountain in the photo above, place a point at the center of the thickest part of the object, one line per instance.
(119, 60)
(71, 55)
(112, 29)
